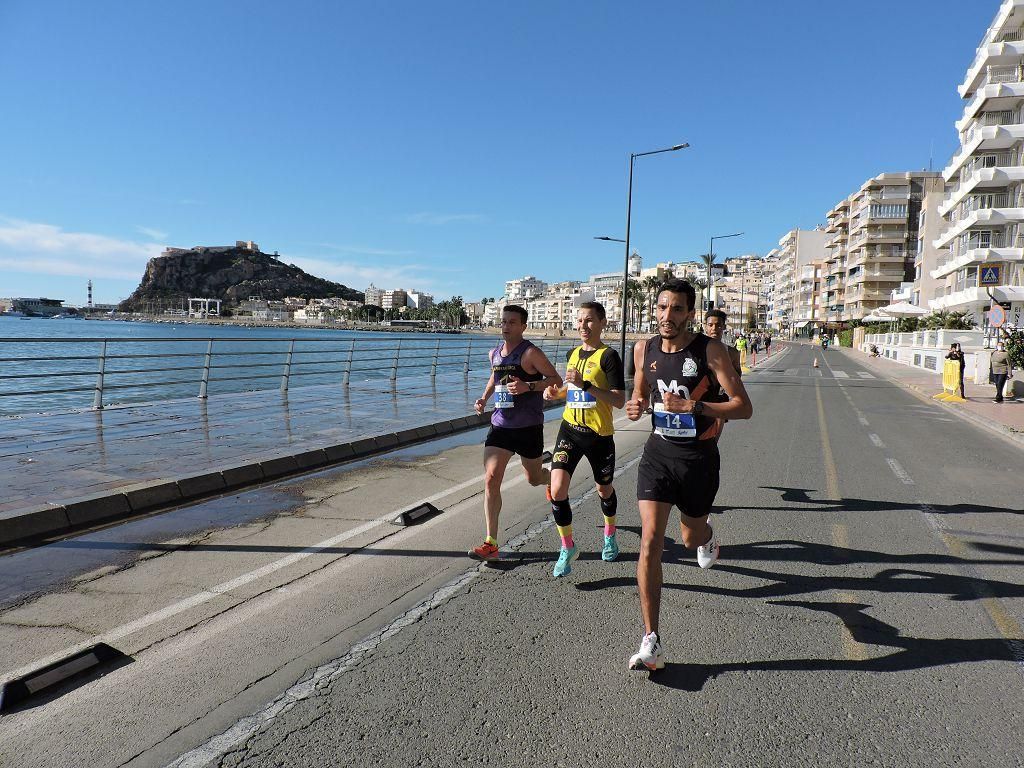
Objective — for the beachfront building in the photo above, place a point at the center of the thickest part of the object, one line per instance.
(556, 308)
(397, 299)
(797, 249)
(521, 289)
(373, 295)
(983, 238)
(418, 299)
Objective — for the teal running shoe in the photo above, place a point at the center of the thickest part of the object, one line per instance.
(611, 548)
(565, 560)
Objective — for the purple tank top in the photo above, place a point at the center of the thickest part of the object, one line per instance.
(528, 408)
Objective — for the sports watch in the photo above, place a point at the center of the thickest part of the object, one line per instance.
(698, 408)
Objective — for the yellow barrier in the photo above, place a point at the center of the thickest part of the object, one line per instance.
(950, 383)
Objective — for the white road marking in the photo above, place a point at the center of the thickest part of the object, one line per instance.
(862, 419)
(324, 675)
(841, 374)
(865, 375)
(900, 472)
(876, 440)
(791, 372)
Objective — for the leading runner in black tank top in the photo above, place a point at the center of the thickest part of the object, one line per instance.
(678, 374)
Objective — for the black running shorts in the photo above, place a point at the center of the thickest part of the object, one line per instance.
(688, 480)
(573, 443)
(528, 442)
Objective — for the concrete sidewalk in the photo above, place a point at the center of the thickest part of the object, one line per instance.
(1005, 418)
(64, 471)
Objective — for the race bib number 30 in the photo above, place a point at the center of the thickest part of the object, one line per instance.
(502, 397)
(670, 424)
(577, 399)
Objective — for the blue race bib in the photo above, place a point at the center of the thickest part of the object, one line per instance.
(669, 424)
(577, 399)
(502, 397)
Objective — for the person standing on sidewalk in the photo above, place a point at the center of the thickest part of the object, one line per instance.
(519, 373)
(678, 373)
(1000, 370)
(595, 384)
(956, 354)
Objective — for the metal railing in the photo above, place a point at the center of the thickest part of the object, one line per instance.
(39, 374)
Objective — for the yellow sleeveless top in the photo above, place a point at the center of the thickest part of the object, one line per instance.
(599, 417)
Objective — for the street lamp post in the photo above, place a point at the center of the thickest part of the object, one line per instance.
(629, 216)
(711, 258)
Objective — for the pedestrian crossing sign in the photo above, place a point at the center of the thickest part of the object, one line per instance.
(990, 275)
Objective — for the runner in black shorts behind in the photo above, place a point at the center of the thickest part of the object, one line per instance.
(678, 373)
(595, 384)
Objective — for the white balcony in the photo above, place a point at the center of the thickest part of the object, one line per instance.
(997, 217)
(982, 178)
(974, 297)
(977, 257)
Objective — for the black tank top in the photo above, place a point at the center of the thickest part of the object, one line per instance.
(685, 373)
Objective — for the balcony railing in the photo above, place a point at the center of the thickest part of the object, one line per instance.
(1004, 74)
(1012, 36)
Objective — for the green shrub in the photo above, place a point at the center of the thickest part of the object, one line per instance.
(1015, 348)
(846, 338)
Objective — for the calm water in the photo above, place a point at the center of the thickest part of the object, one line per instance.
(50, 365)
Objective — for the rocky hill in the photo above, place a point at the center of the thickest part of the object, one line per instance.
(231, 274)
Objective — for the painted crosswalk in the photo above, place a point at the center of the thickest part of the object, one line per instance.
(841, 374)
(865, 375)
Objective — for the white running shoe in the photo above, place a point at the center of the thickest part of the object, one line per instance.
(707, 554)
(650, 656)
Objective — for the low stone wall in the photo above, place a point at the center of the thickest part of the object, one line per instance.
(927, 350)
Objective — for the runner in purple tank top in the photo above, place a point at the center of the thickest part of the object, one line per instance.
(519, 373)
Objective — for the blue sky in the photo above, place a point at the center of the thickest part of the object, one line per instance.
(449, 146)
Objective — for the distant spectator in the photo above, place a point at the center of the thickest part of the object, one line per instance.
(1000, 370)
(957, 355)
(767, 344)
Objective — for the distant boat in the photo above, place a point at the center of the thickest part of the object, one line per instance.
(12, 313)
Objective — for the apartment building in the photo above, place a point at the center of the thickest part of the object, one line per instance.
(396, 299)
(797, 249)
(983, 240)
(556, 308)
(523, 288)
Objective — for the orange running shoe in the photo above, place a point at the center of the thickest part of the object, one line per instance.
(484, 552)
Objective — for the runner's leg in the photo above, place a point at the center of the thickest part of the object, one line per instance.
(653, 519)
(495, 461)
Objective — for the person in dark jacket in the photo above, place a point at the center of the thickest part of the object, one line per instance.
(1000, 370)
(957, 355)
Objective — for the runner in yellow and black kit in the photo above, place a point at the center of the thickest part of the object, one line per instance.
(595, 383)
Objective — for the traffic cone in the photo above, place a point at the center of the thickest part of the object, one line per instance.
(815, 362)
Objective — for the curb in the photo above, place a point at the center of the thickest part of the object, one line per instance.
(30, 525)
(996, 428)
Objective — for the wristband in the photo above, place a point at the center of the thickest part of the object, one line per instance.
(586, 385)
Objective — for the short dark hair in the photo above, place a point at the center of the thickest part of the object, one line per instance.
(597, 306)
(680, 286)
(716, 313)
(517, 309)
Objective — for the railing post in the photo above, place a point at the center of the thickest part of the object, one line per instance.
(287, 366)
(206, 370)
(433, 363)
(394, 365)
(97, 400)
(465, 365)
(348, 364)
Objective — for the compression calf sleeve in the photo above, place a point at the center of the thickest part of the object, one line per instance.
(562, 512)
(609, 508)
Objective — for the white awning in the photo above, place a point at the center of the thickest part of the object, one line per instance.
(801, 324)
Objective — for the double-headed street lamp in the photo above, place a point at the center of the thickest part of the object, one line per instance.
(711, 258)
(629, 215)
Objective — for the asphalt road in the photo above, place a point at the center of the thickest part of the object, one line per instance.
(867, 610)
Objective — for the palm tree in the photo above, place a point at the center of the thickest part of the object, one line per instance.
(650, 285)
(700, 284)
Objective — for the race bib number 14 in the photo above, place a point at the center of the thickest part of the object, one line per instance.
(670, 424)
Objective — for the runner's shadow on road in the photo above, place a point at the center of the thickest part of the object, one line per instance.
(909, 652)
(847, 504)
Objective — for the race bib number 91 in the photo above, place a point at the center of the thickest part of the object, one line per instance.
(577, 399)
(502, 397)
(670, 424)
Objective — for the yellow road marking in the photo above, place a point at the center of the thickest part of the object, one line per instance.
(1004, 622)
(831, 475)
(853, 650)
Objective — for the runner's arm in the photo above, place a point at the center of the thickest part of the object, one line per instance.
(614, 371)
(536, 359)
